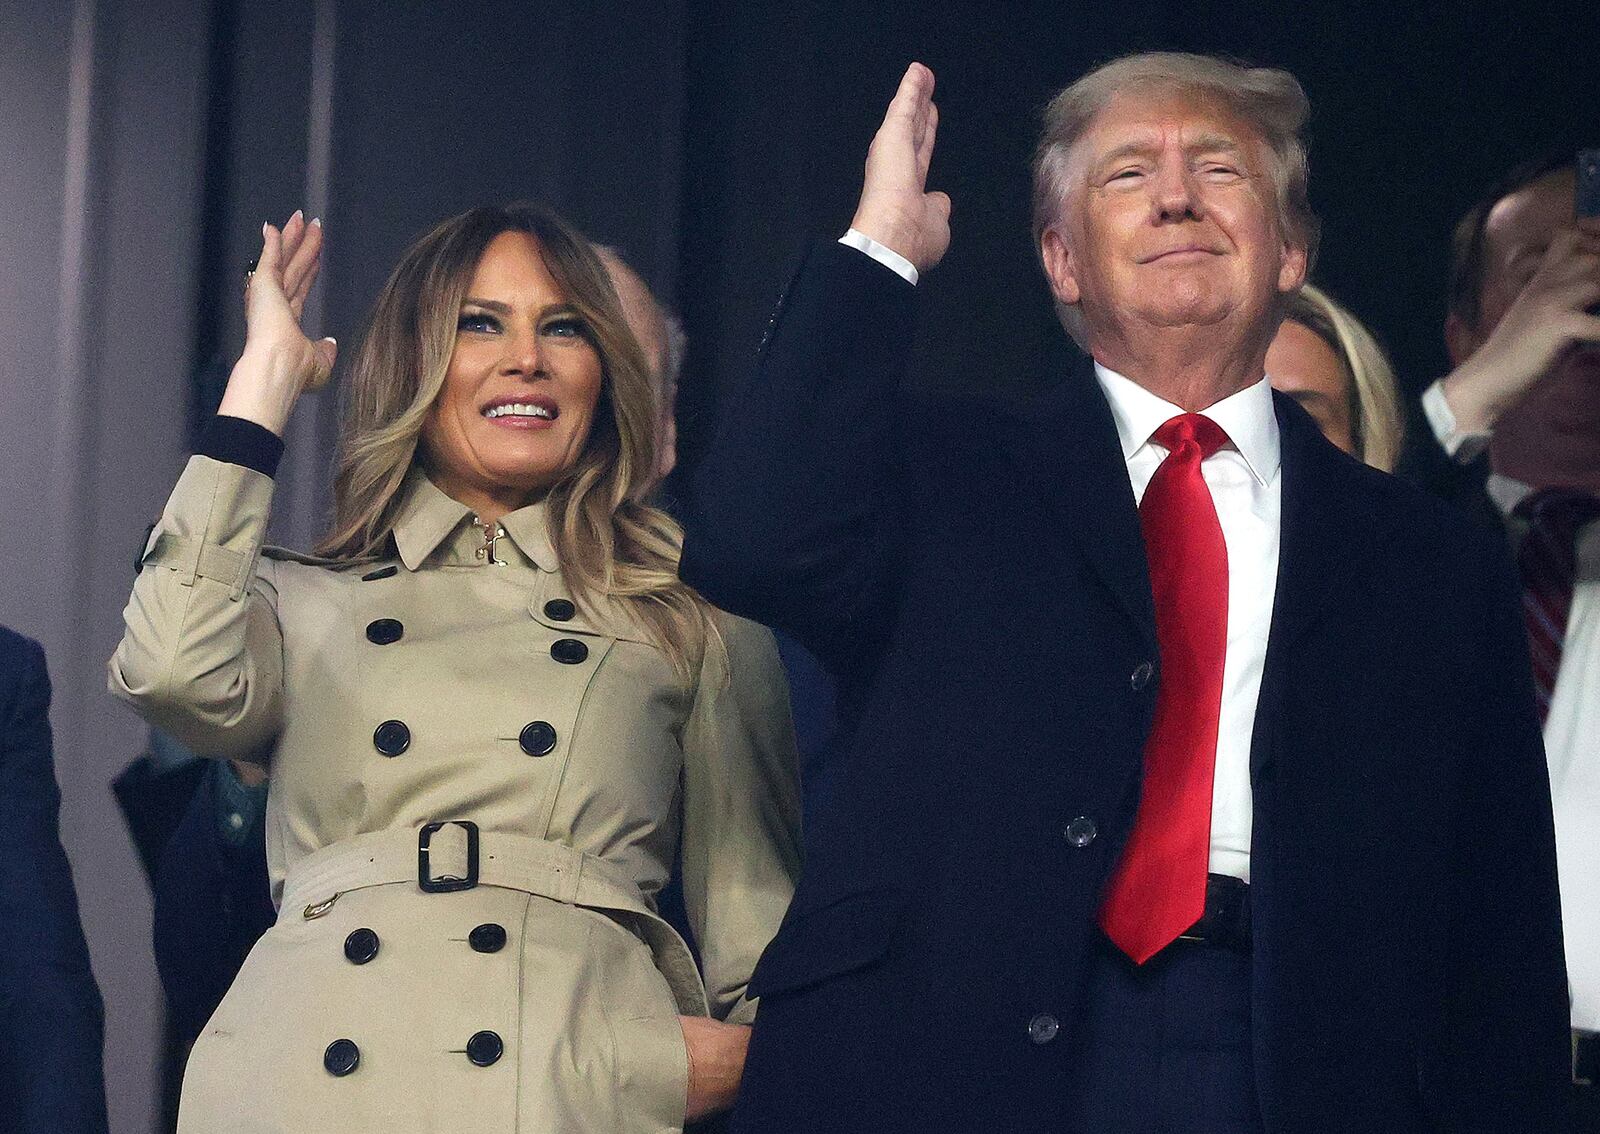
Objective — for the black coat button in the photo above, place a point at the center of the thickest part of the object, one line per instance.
(559, 609)
(383, 631)
(1142, 673)
(569, 651)
(538, 738)
(1043, 1028)
(485, 1048)
(361, 946)
(1081, 831)
(342, 1057)
(487, 938)
(391, 738)
(381, 573)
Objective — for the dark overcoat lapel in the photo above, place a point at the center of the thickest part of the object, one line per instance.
(1329, 527)
(1065, 442)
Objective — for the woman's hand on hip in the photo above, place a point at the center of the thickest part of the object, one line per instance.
(716, 1064)
(279, 362)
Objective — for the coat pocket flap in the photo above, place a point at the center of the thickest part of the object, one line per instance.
(848, 933)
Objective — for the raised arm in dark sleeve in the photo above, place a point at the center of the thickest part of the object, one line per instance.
(794, 515)
(51, 1025)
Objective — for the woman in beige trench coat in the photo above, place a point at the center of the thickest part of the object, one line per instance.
(491, 714)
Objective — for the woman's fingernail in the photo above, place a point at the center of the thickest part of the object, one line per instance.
(297, 213)
(264, 227)
(317, 221)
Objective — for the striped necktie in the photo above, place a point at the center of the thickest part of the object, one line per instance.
(1548, 561)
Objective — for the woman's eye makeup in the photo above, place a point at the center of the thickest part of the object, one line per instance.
(560, 324)
(477, 321)
(564, 326)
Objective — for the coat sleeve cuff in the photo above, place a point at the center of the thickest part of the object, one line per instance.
(236, 441)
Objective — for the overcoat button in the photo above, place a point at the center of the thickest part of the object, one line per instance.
(361, 946)
(485, 1048)
(1043, 1028)
(559, 610)
(538, 738)
(342, 1057)
(569, 651)
(487, 938)
(1081, 831)
(1142, 673)
(383, 631)
(381, 573)
(391, 738)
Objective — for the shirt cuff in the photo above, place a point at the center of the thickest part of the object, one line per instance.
(235, 441)
(1462, 446)
(239, 806)
(882, 253)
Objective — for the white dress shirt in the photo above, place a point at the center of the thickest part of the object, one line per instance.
(1246, 488)
(1247, 491)
(1571, 731)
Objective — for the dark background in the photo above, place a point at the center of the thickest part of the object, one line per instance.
(142, 143)
(709, 139)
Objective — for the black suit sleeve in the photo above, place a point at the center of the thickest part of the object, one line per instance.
(1506, 1017)
(1424, 463)
(794, 516)
(211, 904)
(50, 1010)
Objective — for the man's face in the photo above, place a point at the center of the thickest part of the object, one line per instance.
(1515, 236)
(1519, 229)
(1170, 219)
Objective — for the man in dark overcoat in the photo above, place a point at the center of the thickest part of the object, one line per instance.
(1195, 781)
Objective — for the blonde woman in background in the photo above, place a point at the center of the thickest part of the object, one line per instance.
(491, 714)
(1325, 359)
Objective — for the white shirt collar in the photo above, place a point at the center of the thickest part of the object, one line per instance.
(1507, 492)
(1247, 417)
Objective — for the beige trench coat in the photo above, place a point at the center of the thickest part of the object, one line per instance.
(459, 682)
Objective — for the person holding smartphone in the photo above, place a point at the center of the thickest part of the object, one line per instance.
(1515, 437)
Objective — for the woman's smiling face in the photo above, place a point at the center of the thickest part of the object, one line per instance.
(520, 393)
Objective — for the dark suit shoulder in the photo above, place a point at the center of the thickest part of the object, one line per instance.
(1404, 520)
(23, 676)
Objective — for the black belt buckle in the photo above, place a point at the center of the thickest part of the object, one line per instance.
(1226, 920)
(447, 883)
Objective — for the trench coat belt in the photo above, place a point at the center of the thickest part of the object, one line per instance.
(512, 862)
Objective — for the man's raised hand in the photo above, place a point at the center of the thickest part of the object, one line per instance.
(896, 210)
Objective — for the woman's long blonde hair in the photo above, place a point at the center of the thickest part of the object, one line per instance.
(611, 544)
(1376, 421)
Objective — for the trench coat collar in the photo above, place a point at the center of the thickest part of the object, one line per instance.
(428, 519)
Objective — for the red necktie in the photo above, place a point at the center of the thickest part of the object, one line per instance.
(1548, 560)
(1158, 889)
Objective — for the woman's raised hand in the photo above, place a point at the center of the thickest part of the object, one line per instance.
(279, 362)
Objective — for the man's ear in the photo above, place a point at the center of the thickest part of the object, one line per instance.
(1292, 272)
(1058, 268)
(1460, 340)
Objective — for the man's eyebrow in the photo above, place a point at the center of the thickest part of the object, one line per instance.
(1214, 144)
(1205, 144)
(1126, 150)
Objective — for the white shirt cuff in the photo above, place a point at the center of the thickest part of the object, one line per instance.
(882, 253)
(1463, 446)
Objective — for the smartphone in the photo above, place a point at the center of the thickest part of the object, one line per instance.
(1588, 201)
